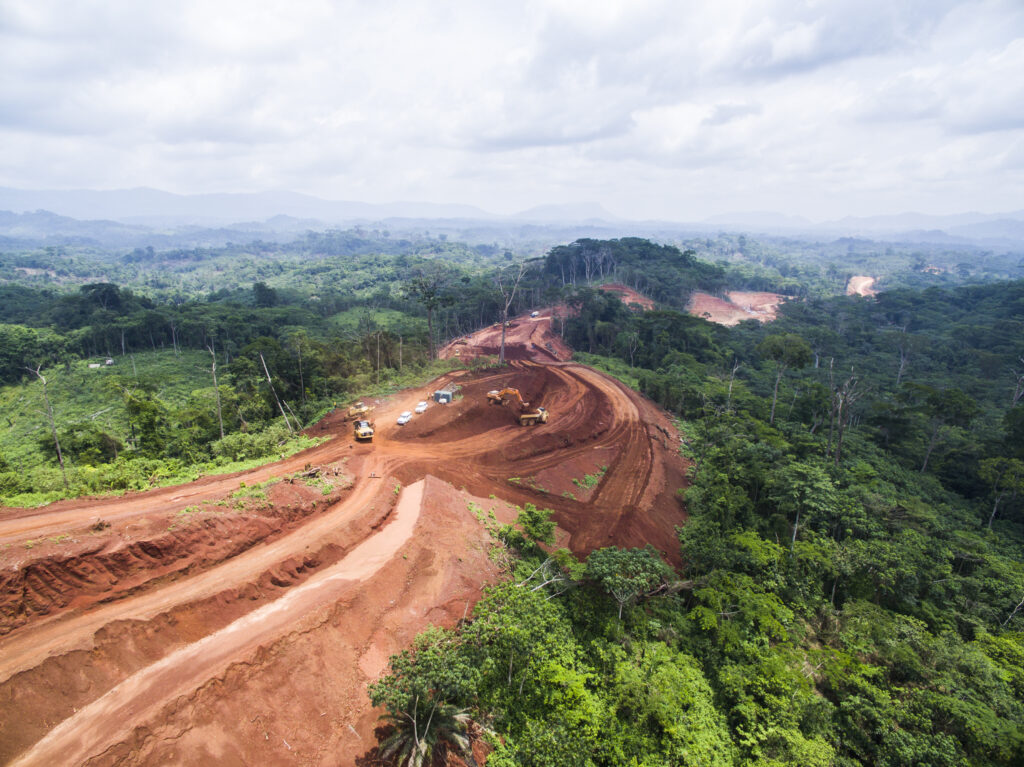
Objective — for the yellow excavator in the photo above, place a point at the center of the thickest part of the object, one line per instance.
(503, 396)
(498, 397)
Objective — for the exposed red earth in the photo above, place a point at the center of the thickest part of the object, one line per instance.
(736, 307)
(212, 623)
(861, 285)
(526, 338)
(628, 296)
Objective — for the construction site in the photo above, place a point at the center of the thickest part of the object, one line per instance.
(238, 619)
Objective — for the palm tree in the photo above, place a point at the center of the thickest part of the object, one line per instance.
(418, 732)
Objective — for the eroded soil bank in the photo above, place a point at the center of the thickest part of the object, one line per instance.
(216, 623)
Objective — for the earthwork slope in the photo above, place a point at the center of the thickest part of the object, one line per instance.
(238, 619)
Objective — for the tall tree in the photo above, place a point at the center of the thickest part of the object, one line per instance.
(216, 389)
(53, 424)
(628, 574)
(786, 350)
(507, 279)
(430, 289)
(1006, 476)
(946, 407)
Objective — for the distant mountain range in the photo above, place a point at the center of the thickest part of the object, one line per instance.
(152, 207)
(132, 217)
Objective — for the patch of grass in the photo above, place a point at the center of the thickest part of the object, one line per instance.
(533, 484)
(685, 446)
(590, 481)
(569, 495)
(515, 481)
(362, 318)
(616, 368)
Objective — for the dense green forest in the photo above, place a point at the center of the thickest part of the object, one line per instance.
(853, 588)
(854, 576)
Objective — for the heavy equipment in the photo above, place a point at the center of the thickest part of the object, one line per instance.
(357, 410)
(497, 397)
(530, 419)
(363, 430)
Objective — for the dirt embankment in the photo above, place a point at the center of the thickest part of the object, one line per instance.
(216, 623)
(628, 296)
(526, 338)
(861, 285)
(736, 306)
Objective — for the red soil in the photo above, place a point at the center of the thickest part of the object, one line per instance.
(245, 630)
(628, 296)
(736, 307)
(527, 338)
(860, 285)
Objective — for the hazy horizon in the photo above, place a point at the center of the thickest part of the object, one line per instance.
(654, 111)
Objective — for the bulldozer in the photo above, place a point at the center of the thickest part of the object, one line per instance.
(498, 397)
(531, 419)
(363, 430)
(358, 409)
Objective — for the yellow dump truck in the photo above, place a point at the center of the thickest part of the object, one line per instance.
(363, 430)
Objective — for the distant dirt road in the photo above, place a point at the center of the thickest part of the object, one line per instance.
(861, 285)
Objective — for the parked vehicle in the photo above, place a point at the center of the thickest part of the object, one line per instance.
(421, 407)
(404, 418)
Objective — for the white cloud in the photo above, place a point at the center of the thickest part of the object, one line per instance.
(652, 108)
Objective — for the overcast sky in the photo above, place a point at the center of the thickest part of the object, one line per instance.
(673, 110)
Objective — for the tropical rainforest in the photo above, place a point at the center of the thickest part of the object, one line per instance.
(852, 590)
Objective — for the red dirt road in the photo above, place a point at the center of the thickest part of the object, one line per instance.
(206, 626)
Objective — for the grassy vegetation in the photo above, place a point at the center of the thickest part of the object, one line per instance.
(590, 481)
(616, 368)
(95, 480)
(359, 319)
(78, 393)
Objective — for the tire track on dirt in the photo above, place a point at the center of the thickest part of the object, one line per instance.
(469, 443)
(92, 729)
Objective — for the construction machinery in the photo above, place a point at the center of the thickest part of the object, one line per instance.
(498, 397)
(363, 430)
(357, 410)
(531, 419)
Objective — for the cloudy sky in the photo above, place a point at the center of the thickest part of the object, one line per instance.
(675, 110)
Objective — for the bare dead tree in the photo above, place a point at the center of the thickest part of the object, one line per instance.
(1012, 615)
(276, 398)
(843, 399)
(507, 284)
(216, 389)
(53, 425)
(1018, 389)
(904, 353)
(736, 365)
(634, 346)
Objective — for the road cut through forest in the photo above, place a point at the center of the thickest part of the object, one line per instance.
(238, 619)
